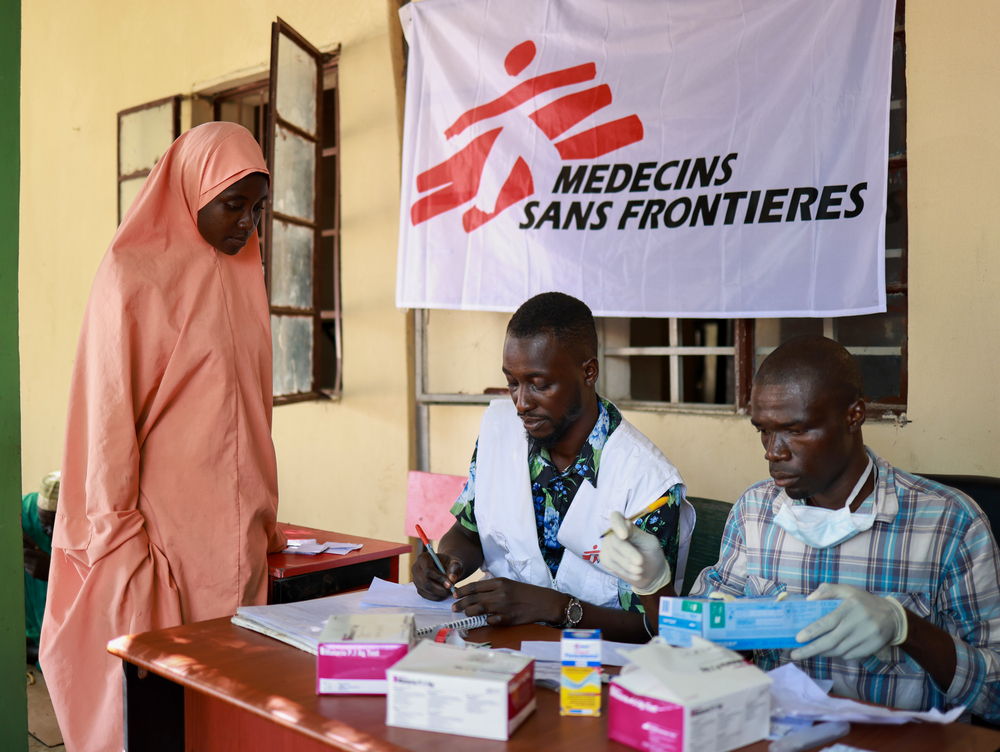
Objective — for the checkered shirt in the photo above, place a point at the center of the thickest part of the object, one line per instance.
(930, 547)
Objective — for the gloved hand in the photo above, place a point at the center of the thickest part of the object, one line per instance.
(635, 556)
(859, 627)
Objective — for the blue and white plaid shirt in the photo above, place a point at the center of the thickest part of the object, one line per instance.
(930, 547)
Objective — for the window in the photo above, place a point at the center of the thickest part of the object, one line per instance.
(144, 133)
(300, 227)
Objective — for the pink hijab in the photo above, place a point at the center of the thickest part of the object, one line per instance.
(169, 490)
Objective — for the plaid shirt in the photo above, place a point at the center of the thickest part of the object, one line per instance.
(930, 547)
(552, 493)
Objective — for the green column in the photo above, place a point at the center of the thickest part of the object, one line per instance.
(14, 727)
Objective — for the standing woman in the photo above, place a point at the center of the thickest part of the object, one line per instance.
(169, 488)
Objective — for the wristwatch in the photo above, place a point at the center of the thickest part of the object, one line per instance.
(573, 613)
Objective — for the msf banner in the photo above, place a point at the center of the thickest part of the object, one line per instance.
(705, 158)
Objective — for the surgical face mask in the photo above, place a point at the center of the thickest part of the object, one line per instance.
(821, 528)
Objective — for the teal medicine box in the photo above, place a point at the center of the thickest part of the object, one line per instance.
(741, 624)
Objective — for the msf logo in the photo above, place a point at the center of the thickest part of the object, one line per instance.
(457, 180)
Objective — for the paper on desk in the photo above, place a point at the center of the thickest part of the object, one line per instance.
(382, 593)
(795, 695)
(310, 547)
(612, 653)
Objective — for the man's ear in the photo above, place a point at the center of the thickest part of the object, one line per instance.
(590, 371)
(856, 413)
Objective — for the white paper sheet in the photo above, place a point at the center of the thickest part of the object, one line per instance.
(794, 694)
(310, 547)
(382, 593)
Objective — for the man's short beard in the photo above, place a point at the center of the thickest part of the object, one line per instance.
(562, 428)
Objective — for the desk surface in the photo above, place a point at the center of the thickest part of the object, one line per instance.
(277, 682)
(288, 565)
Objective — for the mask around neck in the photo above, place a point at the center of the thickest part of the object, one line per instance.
(822, 528)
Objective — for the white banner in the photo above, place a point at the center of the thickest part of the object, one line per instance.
(695, 158)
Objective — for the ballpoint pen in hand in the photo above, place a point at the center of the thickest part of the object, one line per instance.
(434, 556)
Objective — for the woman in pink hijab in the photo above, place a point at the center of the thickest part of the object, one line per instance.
(169, 489)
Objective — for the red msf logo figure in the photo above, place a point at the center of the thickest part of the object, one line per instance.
(457, 179)
(593, 555)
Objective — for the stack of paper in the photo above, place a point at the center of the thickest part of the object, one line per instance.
(311, 547)
(300, 623)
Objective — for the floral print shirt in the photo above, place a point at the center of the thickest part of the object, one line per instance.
(552, 493)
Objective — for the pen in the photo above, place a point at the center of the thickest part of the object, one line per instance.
(434, 556)
(651, 508)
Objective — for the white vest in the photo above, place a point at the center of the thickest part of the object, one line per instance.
(632, 473)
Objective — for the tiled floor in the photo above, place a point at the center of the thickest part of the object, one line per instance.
(42, 727)
(36, 746)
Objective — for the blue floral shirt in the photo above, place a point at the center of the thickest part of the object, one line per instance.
(552, 493)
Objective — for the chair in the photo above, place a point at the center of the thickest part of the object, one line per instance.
(706, 539)
(429, 497)
(984, 490)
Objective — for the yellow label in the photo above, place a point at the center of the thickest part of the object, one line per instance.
(580, 691)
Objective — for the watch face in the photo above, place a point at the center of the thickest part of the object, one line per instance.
(574, 612)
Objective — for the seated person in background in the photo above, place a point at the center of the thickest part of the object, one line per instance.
(38, 513)
(914, 562)
(535, 506)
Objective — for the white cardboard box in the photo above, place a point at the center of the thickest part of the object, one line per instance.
(704, 698)
(456, 690)
(356, 649)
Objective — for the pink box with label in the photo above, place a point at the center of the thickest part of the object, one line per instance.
(699, 699)
(355, 650)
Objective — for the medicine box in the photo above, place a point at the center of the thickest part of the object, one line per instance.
(580, 674)
(356, 649)
(741, 624)
(699, 699)
(461, 690)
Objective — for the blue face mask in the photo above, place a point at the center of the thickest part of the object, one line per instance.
(821, 528)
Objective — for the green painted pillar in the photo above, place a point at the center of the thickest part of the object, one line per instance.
(14, 727)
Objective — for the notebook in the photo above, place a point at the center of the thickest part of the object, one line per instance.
(299, 624)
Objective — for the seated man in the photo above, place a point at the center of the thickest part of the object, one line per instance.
(914, 561)
(535, 506)
(38, 515)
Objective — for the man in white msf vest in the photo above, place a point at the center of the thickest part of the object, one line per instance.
(555, 467)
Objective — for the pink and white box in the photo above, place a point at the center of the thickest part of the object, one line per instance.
(355, 650)
(705, 698)
(461, 690)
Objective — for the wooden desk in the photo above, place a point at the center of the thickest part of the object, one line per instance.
(297, 577)
(221, 687)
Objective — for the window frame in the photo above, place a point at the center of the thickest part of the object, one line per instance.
(175, 100)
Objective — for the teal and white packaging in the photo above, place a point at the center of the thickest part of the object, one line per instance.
(740, 624)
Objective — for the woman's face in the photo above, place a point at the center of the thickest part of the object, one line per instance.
(229, 219)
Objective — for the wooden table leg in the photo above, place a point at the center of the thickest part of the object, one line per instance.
(154, 712)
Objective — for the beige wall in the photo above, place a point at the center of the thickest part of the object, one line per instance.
(341, 464)
(954, 327)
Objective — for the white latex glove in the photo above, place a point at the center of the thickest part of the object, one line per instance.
(859, 627)
(635, 556)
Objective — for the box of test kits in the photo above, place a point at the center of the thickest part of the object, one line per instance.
(704, 698)
(580, 673)
(356, 649)
(740, 624)
(461, 690)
